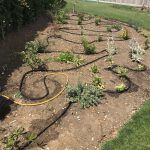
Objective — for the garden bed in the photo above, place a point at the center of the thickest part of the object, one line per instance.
(79, 128)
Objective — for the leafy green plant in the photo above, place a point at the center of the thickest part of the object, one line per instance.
(68, 57)
(108, 29)
(60, 17)
(122, 71)
(141, 67)
(12, 140)
(88, 48)
(97, 81)
(116, 27)
(125, 34)
(29, 56)
(110, 61)
(97, 21)
(137, 53)
(94, 69)
(86, 95)
(121, 87)
(30, 136)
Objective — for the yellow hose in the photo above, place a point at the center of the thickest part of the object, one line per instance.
(45, 101)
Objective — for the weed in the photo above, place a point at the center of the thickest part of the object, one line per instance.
(147, 43)
(88, 48)
(30, 136)
(121, 87)
(86, 95)
(110, 61)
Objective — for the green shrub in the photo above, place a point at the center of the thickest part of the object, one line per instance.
(60, 17)
(68, 57)
(86, 95)
(88, 48)
(29, 56)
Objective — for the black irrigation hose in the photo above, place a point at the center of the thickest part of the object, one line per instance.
(51, 124)
(128, 81)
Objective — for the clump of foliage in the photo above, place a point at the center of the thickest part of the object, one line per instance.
(81, 16)
(137, 53)
(147, 43)
(108, 29)
(29, 56)
(121, 87)
(110, 61)
(97, 21)
(94, 69)
(141, 67)
(116, 27)
(97, 81)
(88, 47)
(68, 57)
(99, 39)
(61, 17)
(86, 95)
(144, 34)
(122, 71)
(111, 48)
(125, 34)
(13, 140)
(15, 13)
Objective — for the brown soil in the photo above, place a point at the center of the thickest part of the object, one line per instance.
(79, 129)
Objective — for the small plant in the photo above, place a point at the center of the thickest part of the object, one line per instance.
(147, 43)
(116, 27)
(137, 53)
(30, 136)
(99, 39)
(122, 71)
(125, 34)
(12, 140)
(97, 21)
(97, 81)
(94, 69)
(109, 29)
(86, 95)
(110, 61)
(29, 56)
(81, 16)
(121, 87)
(144, 34)
(141, 67)
(111, 48)
(68, 57)
(88, 48)
(60, 17)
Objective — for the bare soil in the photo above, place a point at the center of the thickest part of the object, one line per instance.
(79, 129)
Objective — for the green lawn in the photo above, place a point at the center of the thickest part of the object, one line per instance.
(122, 13)
(135, 135)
